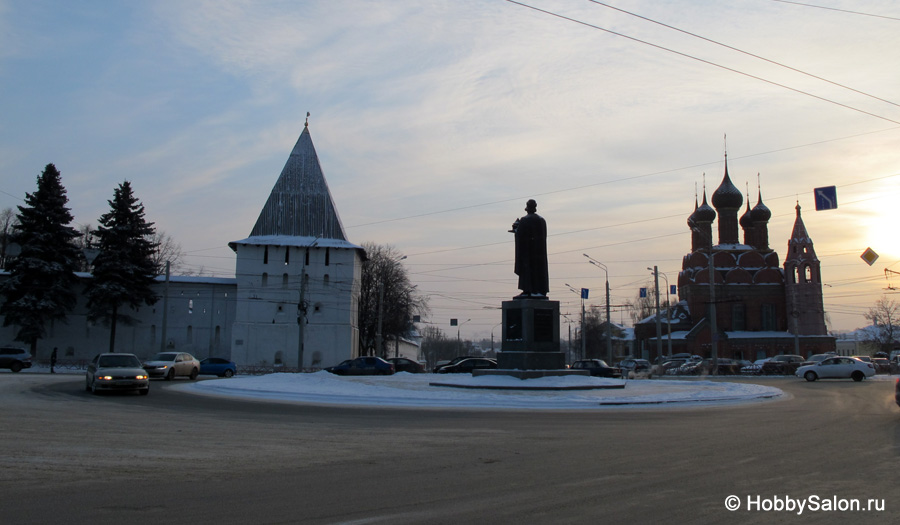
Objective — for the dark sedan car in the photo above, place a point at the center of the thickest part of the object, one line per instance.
(467, 365)
(897, 391)
(402, 364)
(441, 364)
(785, 365)
(362, 366)
(217, 366)
(597, 368)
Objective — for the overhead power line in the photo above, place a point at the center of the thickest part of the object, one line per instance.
(711, 41)
(836, 9)
(704, 61)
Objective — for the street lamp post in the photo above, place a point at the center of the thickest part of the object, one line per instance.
(583, 338)
(598, 264)
(458, 341)
(668, 310)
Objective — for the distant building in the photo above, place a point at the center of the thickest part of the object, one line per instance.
(295, 267)
(761, 308)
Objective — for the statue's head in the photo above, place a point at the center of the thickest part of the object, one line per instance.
(531, 206)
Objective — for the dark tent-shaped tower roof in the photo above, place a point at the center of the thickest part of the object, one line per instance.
(300, 204)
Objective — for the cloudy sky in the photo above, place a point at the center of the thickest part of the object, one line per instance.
(435, 121)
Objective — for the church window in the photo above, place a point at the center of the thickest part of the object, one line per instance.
(325, 279)
(809, 274)
(284, 281)
(287, 255)
(738, 317)
(265, 280)
(768, 317)
(266, 255)
(327, 256)
(307, 257)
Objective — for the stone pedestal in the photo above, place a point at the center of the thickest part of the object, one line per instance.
(531, 336)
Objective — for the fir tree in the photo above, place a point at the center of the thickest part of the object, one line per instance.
(41, 286)
(123, 270)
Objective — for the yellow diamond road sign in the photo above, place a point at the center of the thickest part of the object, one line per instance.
(869, 256)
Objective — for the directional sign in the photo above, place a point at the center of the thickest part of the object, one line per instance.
(869, 256)
(673, 289)
(643, 292)
(826, 198)
(584, 293)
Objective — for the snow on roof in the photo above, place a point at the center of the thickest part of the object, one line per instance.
(291, 240)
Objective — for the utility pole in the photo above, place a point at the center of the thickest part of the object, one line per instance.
(609, 352)
(658, 321)
(380, 318)
(162, 344)
(713, 324)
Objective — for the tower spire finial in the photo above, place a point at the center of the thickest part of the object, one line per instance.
(307, 120)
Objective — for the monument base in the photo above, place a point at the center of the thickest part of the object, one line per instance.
(531, 360)
(529, 374)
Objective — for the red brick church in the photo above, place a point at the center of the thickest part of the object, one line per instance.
(761, 308)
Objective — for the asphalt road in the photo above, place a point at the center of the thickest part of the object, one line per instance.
(71, 457)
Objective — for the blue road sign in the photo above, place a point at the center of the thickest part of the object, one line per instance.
(584, 293)
(674, 289)
(643, 292)
(826, 198)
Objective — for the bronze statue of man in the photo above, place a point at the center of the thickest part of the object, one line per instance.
(531, 253)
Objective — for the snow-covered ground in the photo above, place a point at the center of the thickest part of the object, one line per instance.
(417, 390)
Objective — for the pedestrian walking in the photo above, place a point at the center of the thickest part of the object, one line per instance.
(53, 360)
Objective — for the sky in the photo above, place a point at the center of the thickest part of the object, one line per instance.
(435, 121)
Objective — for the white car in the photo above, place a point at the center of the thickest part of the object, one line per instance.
(116, 372)
(170, 364)
(755, 368)
(837, 368)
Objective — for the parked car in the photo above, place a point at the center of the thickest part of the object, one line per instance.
(782, 365)
(14, 358)
(634, 368)
(818, 358)
(402, 364)
(865, 358)
(897, 391)
(467, 365)
(171, 364)
(217, 366)
(723, 366)
(754, 368)
(882, 365)
(116, 372)
(895, 365)
(362, 366)
(597, 368)
(441, 364)
(837, 368)
(671, 366)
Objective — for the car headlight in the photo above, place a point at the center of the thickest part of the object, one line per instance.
(140, 377)
(104, 378)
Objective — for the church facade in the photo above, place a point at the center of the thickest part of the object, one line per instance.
(292, 302)
(733, 289)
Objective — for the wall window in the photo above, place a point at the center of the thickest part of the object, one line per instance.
(768, 318)
(738, 317)
(327, 256)
(266, 255)
(287, 255)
